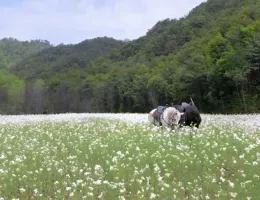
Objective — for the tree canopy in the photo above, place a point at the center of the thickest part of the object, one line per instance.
(211, 55)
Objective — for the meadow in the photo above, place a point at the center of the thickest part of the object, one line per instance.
(121, 156)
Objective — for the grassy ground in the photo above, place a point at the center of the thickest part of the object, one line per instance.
(108, 159)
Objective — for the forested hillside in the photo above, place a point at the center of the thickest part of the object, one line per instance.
(13, 51)
(211, 55)
(63, 58)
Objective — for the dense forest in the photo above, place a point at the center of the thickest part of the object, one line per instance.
(212, 55)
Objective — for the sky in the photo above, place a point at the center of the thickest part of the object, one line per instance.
(72, 21)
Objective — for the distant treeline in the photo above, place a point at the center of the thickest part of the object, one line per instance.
(211, 55)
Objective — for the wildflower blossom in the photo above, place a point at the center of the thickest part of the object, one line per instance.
(233, 194)
(22, 190)
(153, 196)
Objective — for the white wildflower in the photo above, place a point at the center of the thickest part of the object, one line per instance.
(79, 181)
(121, 198)
(90, 194)
(122, 190)
(3, 156)
(22, 190)
(98, 167)
(254, 163)
(97, 182)
(111, 168)
(233, 194)
(242, 156)
(114, 159)
(231, 184)
(152, 196)
(100, 196)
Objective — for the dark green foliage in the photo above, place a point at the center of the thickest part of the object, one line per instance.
(211, 55)
(13, 51)
(62, 58)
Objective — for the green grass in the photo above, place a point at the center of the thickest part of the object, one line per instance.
(114, 160)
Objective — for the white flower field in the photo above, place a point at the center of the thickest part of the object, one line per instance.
(122, 156)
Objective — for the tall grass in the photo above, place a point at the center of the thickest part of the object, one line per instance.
(110, 159)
